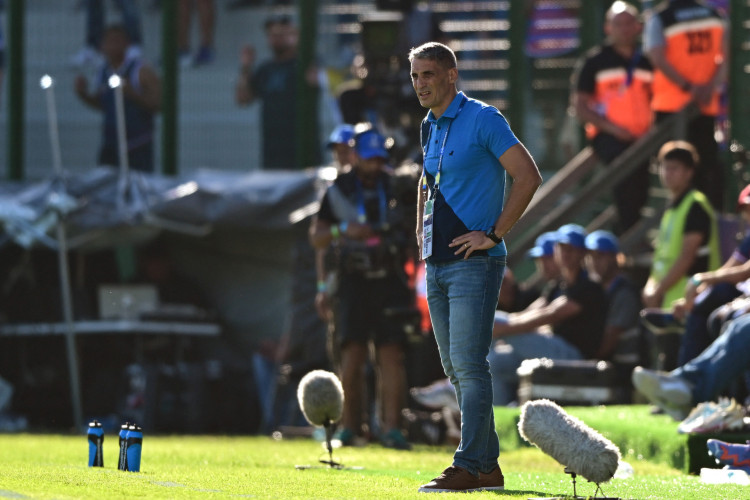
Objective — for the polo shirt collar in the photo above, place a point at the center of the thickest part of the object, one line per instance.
(452, 109)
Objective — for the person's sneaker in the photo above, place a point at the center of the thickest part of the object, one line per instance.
(708, 417)
(733, 455)
(395, 439)
(436, 395)
(204, 56)
(453, 479)
(660, 321)
(671, 394)
(493, 480)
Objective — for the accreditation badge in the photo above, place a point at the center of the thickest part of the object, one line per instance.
(427, 229)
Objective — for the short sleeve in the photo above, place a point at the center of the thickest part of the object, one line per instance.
(494, 132)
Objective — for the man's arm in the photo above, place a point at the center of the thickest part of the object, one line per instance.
(244, 93)
(583, 103)
(556, 311)
(149, 97)
(526, 180)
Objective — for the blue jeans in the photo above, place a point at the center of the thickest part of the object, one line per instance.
(95, 21)
(462, 297)
(697, 335)
(721, 363)
(507, 355)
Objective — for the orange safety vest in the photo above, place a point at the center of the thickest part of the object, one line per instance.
(693, 36)
(626, 104)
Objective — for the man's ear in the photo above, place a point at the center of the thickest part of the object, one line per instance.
(452, 75)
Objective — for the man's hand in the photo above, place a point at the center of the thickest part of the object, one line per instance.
(81, 86)
(470, 242)
(247, 56)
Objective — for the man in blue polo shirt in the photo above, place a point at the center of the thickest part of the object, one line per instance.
(468, 147)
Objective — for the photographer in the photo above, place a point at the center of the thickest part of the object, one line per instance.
(363, 226)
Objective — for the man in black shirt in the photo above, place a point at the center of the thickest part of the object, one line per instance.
(567, 326)
(365, 230)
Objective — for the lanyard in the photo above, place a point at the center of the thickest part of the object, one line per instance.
(631, 67)
(436, 186)
(382, 202)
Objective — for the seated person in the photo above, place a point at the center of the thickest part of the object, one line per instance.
(707, 291)
(567, 326)
(621, 339)
(688, 238)
(702, 378)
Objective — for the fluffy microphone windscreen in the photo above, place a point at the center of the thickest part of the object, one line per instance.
(568, 440)
(321, 397)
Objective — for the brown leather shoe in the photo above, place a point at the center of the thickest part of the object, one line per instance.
(452, 479)
(492, 481)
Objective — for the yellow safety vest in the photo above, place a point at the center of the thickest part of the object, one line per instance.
(669, 243)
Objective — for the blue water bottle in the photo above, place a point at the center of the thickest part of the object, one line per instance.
(122, 462)
(96, 440)
(134, 443)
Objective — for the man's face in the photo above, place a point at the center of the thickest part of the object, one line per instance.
(114, 44)
(601, 264)
(433, 83)
(568, 256)
(369, 167)
(548, 267)
(343, 154)
(623, 29)
(282, 38)
(675, 176)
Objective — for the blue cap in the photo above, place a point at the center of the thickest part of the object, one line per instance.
(572, 234)
(602, 241)
(544, 246)
(342, 134)
(370, 144)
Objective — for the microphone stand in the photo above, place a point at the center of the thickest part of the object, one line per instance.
(329, 427)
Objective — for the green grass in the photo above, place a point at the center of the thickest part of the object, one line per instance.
(54, 466)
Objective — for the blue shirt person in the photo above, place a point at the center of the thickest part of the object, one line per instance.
(462, 217)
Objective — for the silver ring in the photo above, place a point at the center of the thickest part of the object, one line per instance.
(466, 245)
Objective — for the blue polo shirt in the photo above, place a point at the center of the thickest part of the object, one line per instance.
(471, 191)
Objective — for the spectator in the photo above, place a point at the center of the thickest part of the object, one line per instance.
(687, 42)
(565, 326)
(206, 24)
(621, 341)
(705, 293)
(612, 96)
(141, 89)
(275, 83)
(131, 20)
(364, 227)
(688, 240)
(702, 378)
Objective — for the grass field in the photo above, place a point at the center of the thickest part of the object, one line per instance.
(55, 466)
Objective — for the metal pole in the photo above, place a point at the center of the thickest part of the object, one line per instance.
(47, 84)
(307, 95)
(115, 82)
(169, 108)
(70, 341)
(16, 77)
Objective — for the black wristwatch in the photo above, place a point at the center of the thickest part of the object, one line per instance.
(491, 235)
